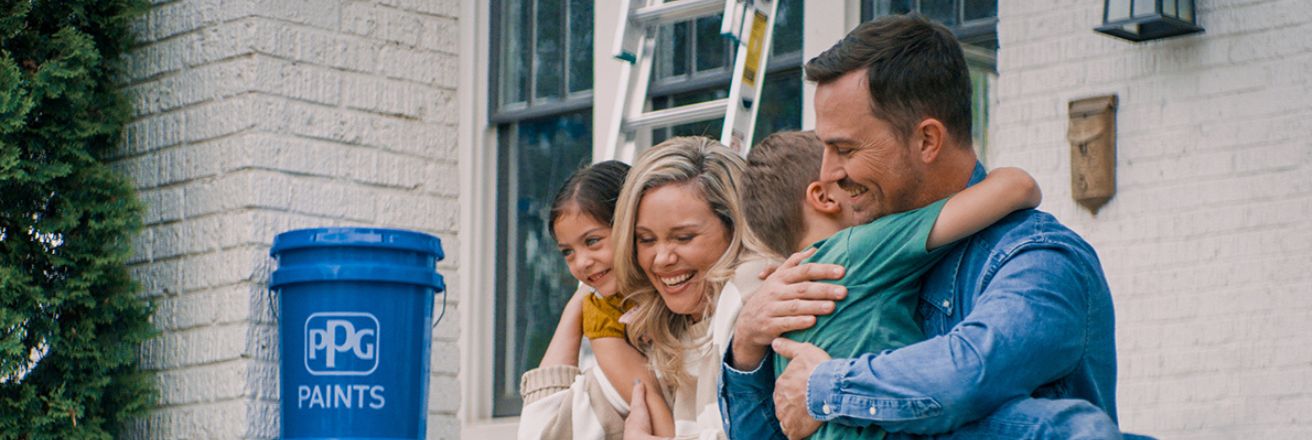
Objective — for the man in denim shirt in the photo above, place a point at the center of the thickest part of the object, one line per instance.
(1018, 318)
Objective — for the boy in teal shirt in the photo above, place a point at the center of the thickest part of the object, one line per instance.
(884, 261)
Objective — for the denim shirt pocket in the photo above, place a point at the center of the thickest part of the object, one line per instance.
(936, 312)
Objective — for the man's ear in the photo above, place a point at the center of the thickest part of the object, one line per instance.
(820, 200)
(929, 137)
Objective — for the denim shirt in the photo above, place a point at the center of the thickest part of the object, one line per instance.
(1020, 309)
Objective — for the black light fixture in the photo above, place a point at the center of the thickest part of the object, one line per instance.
(1142, 20)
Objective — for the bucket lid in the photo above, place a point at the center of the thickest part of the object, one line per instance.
(358, 237)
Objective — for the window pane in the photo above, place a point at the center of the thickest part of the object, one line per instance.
(712, 49)
(781, 104)
(548, 65)
(672, 50)
(1144, 7)
(879, 8)
(942, 11)
(533, 283)
(787, 28)
(1118, 10)
(977, 9)
(580, 45)
(515, 55)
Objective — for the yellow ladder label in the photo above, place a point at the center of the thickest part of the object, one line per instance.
(754, 49)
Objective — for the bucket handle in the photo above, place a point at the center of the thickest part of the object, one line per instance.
(273, 307)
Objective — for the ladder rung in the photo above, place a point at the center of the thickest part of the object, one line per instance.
(684, 114)
(678, 10)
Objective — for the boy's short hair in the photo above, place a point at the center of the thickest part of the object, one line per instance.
(779, 169)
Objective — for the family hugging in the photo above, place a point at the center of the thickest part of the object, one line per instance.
(865, 280)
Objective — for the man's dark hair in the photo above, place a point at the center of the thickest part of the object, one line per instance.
(915, 68)
(594, 190)
(779, 169)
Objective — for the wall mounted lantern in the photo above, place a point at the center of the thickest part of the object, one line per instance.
(1142, 20)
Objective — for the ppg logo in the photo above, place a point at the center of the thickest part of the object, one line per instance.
(341, 344)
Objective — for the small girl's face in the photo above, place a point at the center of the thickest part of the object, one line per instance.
(585, 243)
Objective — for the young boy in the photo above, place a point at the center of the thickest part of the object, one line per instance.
(884, 259)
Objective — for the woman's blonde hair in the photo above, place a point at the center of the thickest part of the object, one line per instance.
(717, 174)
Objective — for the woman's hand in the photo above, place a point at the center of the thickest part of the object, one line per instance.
(789, 299)
(638, 425)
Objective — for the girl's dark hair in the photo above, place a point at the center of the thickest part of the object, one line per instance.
(594, 190)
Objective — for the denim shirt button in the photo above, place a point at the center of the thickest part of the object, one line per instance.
(947, 303)
(827, 410)
(872, 411)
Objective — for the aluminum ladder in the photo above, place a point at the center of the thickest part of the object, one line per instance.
(748, 23)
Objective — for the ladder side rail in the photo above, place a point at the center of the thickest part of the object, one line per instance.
(746, 87)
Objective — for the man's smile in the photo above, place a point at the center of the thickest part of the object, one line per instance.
(853, 189)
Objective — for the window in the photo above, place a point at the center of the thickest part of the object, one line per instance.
(695, 64)
(540, 93)
(541, 96)
(975, 23)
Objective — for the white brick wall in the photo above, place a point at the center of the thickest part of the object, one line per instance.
(254, 117)
(1207, 244)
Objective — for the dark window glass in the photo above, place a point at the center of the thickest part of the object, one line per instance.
(879, 8)
(580, 45)
(979, 9)
(515, 51)
(787, 28)
(942, 11)
(781, 104)
(540, 48)
(548, 72)
(712, 48)
(533, 283)
(672, 50)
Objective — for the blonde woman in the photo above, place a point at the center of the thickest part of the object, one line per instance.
(678, 236)
(680, 239)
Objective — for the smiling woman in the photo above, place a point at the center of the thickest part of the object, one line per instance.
(679, 236)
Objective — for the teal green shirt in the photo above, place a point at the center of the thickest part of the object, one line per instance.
(884, 260)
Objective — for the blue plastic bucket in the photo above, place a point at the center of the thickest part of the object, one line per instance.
(355, 317)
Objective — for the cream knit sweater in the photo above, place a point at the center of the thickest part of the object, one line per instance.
(560, 402)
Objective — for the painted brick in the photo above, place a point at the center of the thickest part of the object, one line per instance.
(443, 426)
(223, 305)
(255, 117)
(1205, 244)
(206, 383)
(445, 8)
(441, 34)
(298, 81)
(225, 419)
(440, 402)
(199, 346)
(316, 46)
(431, 68)
(319, 14)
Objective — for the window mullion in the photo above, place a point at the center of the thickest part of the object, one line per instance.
(530, 95)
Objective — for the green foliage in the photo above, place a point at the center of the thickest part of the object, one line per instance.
(70, 320)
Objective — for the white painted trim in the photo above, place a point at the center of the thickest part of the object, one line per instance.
(819, 34)
(477, 233)
(604, 65)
